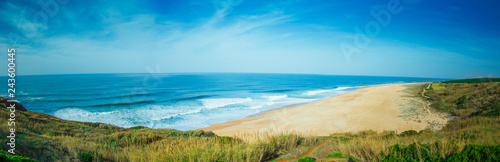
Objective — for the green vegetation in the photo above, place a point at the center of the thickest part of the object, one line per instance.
(306, 159)
(335, 155)
(472, 136)
(477, 153)
(476, 80)
(87, 156)
(437, 86)
(408, 133)
(14, 158)
(412, 152)
(430, 152)
(464, 97)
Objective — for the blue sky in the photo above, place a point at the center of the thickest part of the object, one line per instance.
(422, 38)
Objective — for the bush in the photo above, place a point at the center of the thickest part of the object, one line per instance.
(335, 155)
(427, 152)
(14, 158)
(87, 156)
(353, 159)
(306, 159)
(477, 153)
(391, 135)
(494, 110)
(408, 133)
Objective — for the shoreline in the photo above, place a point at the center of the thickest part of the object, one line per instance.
(303, 103)
(375, 107)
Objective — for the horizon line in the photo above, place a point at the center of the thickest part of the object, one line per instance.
(236, 73)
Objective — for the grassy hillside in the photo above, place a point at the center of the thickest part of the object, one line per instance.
(47, 138)
(472, 136)
(466, 97)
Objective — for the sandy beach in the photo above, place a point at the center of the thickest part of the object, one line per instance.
(378, 108)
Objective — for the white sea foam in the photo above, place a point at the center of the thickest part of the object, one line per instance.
(256, 107)
(187, 116)
(263, 105)
(292, 101)
(35, 98)
(221, 102)
(268, 101)
(315, 92)
(272, 98)
(342, 88)
(184, 113)
(312, 93)
(83, 115)
(145, 115)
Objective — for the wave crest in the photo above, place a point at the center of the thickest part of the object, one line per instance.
(221, 102)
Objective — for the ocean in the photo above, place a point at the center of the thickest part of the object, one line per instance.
(179, 101)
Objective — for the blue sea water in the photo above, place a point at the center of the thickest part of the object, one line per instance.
(179, 101)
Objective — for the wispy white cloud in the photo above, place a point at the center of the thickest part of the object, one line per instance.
(141, 39)
(276, 40)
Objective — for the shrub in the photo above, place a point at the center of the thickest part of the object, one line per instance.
(87, 156)
(408, 133)
(428, 152)
(14, 158)
(335, 155)
(477, 153)
(494, 110)
(306, 159)
(353, 159)
(391, 135)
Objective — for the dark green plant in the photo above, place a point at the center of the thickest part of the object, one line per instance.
(408, 133)
(461, 102)
(306, 159)
(493, 110)
(13, 158)
(477, 153)
(353, 159)
(391, 135)
(427, 152)
(87, 156)
(335, 155)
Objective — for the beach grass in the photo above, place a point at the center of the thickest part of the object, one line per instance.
(473, 135)
(46, 138)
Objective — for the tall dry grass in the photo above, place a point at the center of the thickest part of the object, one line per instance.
(260, 146)
(367, 145)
